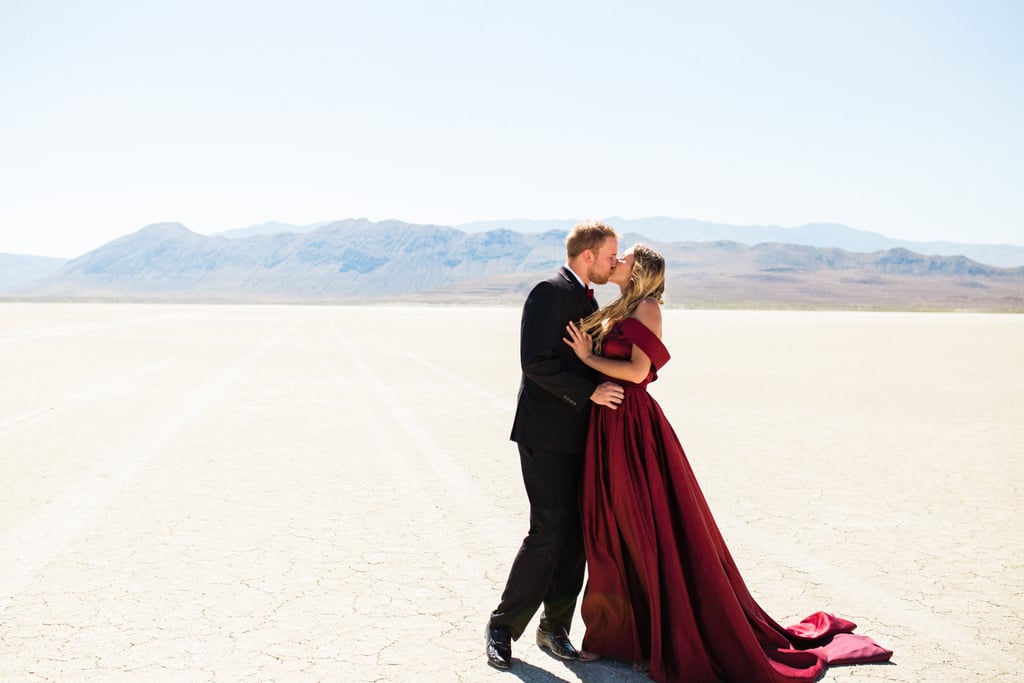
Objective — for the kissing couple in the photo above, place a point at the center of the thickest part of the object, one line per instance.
(611, 489)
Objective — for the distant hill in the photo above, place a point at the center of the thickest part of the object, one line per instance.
(347, 260)
(732, 275)
(362, 261)
(268, 228)
(664, 229)
(17, 270)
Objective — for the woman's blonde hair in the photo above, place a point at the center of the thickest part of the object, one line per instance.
(646, 281)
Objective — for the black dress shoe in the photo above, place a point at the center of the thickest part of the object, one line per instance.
(499, 647)
(557, 643)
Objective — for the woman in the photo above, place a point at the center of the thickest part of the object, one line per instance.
(662, 585)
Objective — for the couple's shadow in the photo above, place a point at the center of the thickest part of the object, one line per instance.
(601, 671)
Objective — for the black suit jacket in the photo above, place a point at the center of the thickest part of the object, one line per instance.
(554, 394)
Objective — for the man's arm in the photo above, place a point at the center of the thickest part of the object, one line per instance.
(608, 394)
(541, 333)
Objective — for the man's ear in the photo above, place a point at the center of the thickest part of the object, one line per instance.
(588, 256)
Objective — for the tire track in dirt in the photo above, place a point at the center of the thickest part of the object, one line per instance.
(420, 461)
(90, 392)
(25, 549)
(65, 330)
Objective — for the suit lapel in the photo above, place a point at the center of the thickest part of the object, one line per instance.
(581, 293)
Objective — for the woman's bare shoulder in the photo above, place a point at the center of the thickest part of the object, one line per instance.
(648, 312)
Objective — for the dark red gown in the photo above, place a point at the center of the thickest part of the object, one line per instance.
(662, 585)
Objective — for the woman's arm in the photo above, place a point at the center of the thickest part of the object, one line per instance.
(636, 368)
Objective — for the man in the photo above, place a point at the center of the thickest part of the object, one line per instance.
(550, 429)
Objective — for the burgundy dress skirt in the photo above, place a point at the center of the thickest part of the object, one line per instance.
(662, 585)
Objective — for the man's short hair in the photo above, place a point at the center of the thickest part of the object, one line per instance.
(589, 234)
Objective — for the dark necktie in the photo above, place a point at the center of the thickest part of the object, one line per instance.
(590, 295)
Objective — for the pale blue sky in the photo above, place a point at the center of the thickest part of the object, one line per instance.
(899, 117)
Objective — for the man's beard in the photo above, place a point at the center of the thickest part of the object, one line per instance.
(598, 279)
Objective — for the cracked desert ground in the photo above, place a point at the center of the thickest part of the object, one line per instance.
(328, 493)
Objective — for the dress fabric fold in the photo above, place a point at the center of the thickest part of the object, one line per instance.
(662, 584)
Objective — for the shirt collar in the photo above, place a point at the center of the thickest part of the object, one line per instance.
(578, 278)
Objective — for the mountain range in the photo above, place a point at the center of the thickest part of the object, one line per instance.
(665, 230)
(17, 270)
(358, 260)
